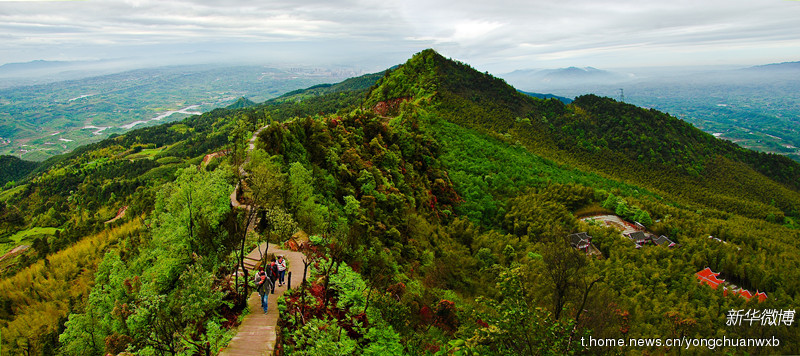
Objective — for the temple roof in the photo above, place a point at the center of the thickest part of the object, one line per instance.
(708, 276)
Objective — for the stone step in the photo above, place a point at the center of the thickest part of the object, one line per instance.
(257, 334)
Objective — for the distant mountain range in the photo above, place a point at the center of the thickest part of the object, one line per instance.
(449, 197)
(575, 77)
(757, 107)
(39, 64)
(785, 66)
(530, 78)
(42, 71)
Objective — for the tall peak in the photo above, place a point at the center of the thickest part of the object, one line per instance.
(428, 72)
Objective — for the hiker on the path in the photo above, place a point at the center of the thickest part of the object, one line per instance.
(273, 274)
(264, 286)
(281, 269)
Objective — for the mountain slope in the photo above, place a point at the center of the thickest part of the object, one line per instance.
(524, 170)
(620, 140)
(755, 107)
(438, 200)
(13, 168)
(548, 96)
(240, 103)
(788, 67)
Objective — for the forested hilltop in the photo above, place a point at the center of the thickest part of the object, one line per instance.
(438, 200)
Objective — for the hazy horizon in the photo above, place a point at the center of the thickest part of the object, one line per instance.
(498, 37)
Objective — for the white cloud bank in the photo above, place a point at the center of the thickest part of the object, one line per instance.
(495, 35)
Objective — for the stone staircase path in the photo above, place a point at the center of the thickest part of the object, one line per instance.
(258, 332)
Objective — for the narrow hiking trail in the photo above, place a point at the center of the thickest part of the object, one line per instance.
(251, 145)
(257, 334)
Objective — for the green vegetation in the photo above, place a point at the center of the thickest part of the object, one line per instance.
(438, 200)
(25, 234)
(469, 155)
(10, 191)
(45, 120)
(36, 301)
(13, 168)
(754, 108)
(167, 287)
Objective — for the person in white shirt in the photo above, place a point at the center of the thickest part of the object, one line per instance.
(281, 269)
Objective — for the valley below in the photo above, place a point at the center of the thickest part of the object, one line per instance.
(40, 121)
(755, 107)
(428, 209)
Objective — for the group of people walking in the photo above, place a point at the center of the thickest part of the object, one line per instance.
(266, 278)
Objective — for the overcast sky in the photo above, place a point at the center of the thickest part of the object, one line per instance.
(493, 35)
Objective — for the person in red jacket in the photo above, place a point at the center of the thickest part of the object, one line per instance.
(273, 274)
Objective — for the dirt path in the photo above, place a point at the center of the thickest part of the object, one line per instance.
(258, 333)
(120, 214)
(20, 249)
(250, 147)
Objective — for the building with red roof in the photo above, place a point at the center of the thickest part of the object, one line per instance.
(744, 293)
(761, 296)
(708, 276)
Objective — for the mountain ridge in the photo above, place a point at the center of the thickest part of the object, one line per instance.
(628, 135)
(438, 200)
(788, 66)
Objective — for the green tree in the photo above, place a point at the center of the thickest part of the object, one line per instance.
(265, 181)
(621, 209)
(514, 325)
(311, 216)
(160, 299)
(301, 189)
(352, 207)
(610, 202)
(189, 212)
(645, 219)
(266, 185)
(563, 268)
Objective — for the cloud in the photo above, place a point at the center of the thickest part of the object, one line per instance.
(493, 34)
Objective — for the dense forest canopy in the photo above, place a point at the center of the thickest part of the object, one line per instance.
(13, 168)
(438, 201)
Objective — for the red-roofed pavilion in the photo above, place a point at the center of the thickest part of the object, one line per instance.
(708, 276)
(761, 296)
(745, 294)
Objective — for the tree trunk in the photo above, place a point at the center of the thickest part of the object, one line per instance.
(327, 282)
(306, 262)
(369, 293)
(580, 311)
